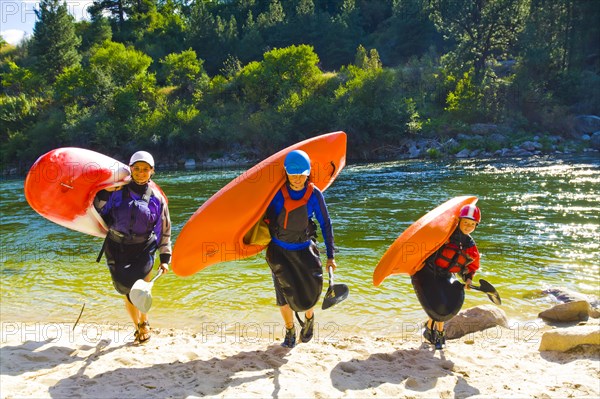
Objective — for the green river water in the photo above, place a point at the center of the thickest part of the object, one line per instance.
(540, 229)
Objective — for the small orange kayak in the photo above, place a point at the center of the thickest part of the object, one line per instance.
(61, 186)
(228, 226)
(410, 250)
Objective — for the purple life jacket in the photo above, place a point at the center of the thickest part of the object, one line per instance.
(134, 217)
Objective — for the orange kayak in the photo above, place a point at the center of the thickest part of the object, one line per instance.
(228, 227)
(410, 250)
(61, 186)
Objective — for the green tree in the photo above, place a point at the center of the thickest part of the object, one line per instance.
(367, 61)
(560, 36)
(231, 67)
(18, 80)
(211, 35)
(110, 101)
(273, 16)
(374, 60)
(82, 86)
(305, 8)
(185, 70)
(372, 122)
(559, 64)
(54, 42)
(408, 32)
(21, 143)
(465, 100)
(118, 9)
(131, 18)
(123, 64)
(281, 73)
(361, 59)
(482, 29)
(251, 42)
(95, 32)
(161, 31)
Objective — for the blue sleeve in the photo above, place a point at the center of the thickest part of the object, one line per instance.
(318, 206)
(275, 206)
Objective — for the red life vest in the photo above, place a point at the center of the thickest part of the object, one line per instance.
(450, 256)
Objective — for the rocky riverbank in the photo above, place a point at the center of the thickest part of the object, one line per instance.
(480, 140)
(493, 141)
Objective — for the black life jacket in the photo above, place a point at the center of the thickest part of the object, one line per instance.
(292, 224)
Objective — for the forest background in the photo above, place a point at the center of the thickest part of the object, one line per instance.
(202, 79)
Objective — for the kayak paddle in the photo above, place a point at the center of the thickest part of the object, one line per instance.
(489, 289)
(141, 293)
(336, 293)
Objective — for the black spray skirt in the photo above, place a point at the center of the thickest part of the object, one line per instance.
(129, 263)
(440, 295)
(299, 275)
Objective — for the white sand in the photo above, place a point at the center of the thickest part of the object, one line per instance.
(95, 361)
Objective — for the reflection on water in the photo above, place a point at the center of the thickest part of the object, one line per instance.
(540, 228)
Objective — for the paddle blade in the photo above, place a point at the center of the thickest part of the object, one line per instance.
(335, 294)
(490, 291)
(141, 295)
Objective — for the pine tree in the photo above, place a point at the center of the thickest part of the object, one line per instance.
(482, 29)
(54, 41)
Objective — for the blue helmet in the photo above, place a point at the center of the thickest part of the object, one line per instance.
(297, 162)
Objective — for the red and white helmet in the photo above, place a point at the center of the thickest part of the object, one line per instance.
(470, 212)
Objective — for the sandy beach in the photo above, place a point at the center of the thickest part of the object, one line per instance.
(101, 361)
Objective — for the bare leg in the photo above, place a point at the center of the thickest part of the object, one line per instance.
(134, 313)
(288, 316)
(310, 313)
(139, 319)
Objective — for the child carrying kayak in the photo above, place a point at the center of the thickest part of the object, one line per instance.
(292, 253)
(440, 295)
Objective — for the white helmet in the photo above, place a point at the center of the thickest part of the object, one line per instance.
(142, 156)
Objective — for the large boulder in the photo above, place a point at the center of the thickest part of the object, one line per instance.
(413, 151)
(567, 312)
(587, 124)
(484, 128)
(451, 143)
(498, 138)
(475, 319)
(531, 146)
(564, 339)
(573, 306)
(466, 153)
(190, 164)
(595, 140)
